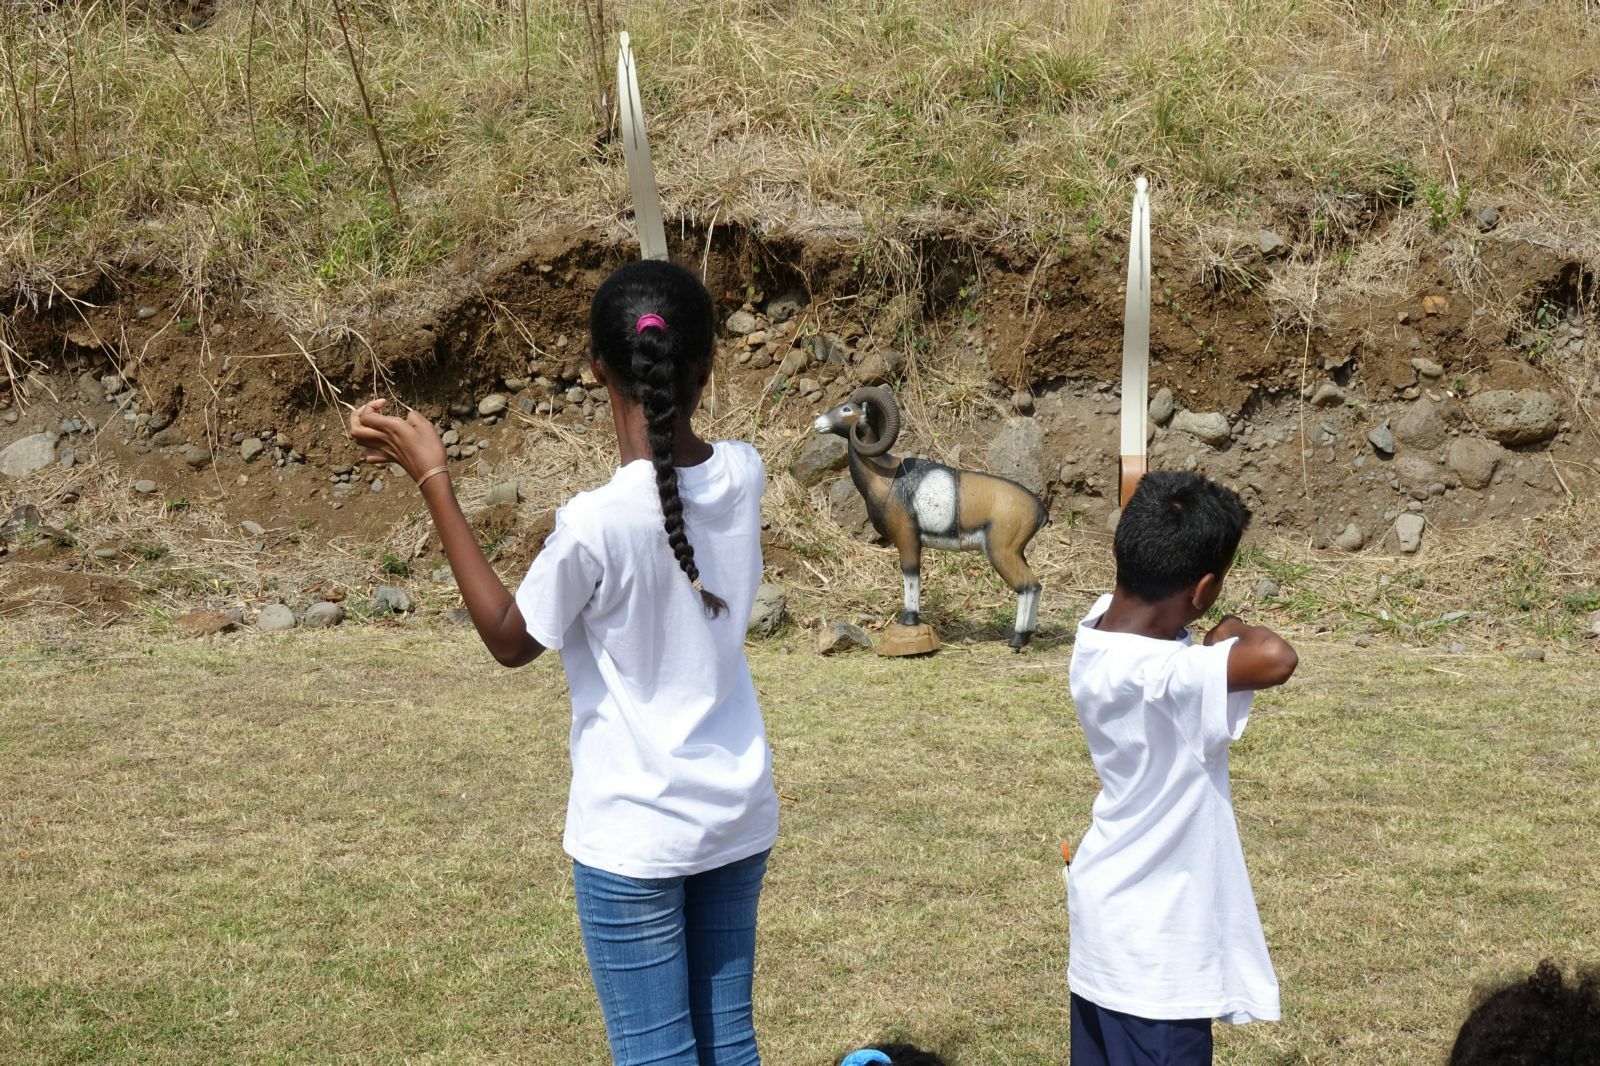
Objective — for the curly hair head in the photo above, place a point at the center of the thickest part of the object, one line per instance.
(1542, 1020)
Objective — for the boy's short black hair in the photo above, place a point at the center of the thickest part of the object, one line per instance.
(1177, 528)
(1535, 1021)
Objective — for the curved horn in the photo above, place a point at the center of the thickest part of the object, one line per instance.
(882, 400)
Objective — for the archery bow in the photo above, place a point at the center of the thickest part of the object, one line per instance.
(636, 150)
(1136, 348)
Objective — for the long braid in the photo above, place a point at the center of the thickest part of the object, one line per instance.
(657, 382)
(653, 326)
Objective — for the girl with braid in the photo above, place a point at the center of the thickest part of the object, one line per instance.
(645, 587)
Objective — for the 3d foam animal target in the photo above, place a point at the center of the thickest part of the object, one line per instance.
(917, 504)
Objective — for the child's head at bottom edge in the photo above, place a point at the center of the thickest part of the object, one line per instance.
(893, 1055)
(1542, 1020)
(1178, 530)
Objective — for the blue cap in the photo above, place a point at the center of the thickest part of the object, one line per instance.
(867, 1056)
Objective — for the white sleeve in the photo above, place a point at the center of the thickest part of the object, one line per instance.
(560, 583)
(1195, 692)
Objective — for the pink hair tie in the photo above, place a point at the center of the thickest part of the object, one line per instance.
(649, 322)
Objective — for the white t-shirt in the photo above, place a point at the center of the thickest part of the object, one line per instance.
(671, 773)
(1163, 922)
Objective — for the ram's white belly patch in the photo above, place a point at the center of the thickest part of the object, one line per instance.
(935, 503)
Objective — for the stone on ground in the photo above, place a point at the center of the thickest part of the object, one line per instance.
(275, 618)
(1408, 529)
(390, 599)
(1017, 452)
(841, 636)
(28, 455)
(1210, 427)
(1516, 416)
(768, 614)
(1474, 461)
(820, 456)
(323, 614)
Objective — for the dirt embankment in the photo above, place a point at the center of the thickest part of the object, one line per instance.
(1341, 391)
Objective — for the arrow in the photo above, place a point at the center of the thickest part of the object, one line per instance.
(636, 150)
(1136, 347)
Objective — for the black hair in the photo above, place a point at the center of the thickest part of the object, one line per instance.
(904, 1055)
(659, 367)
(1534, 1021)
(1177, 528)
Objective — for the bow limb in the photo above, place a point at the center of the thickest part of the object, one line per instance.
(647, 218)
(1136, 349)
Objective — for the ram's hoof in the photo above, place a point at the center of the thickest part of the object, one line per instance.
(1020, 640)
(908, 618)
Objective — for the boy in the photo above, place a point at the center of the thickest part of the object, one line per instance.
(1165, 935)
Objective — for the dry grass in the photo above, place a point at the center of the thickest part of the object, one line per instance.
(840, 116)
(346, 845)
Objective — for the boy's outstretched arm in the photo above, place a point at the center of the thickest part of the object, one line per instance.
(413, 443)
(1261, 658)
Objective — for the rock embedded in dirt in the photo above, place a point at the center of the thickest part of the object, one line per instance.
(28, 455)
(504, 492)
(841, 636)
(1427, 368)
(793, 364)
(390, 599)
(1382, 440)
(1017, 452)
(1209, 428)
(492, 404)
(1434, 305)
(1592, 625)
(1474, 461)
(1022, 402)
(1270, 245)
(1328, 395)
(741, 322)
(1350, 538)
(1516, 416)
(818, 457)
(377, 484)
(1267, 589)
(323, 614)
(847, 507)
(251, 449)
(1162, 407)
(275, 618)
(879, 367)
(1408, 530)
(785, 305)
(196, 457)
(1531, 654)
(252, 528)
(1421, 425)
(769, 611)
(144, 485)
(1488, 219)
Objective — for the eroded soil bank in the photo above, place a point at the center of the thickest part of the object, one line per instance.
(1412, 381)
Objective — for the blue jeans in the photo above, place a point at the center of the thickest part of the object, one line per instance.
(673, 960)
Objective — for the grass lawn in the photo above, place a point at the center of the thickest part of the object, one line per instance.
(342, 846)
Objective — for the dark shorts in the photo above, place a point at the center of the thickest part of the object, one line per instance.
(1102, 1037)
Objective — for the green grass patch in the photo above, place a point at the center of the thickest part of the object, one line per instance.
(346, 845)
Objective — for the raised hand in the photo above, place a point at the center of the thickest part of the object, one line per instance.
(411, 441)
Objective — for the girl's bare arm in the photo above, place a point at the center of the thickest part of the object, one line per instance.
(413, 443)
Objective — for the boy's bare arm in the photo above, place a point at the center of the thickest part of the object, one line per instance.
(1261, 658)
